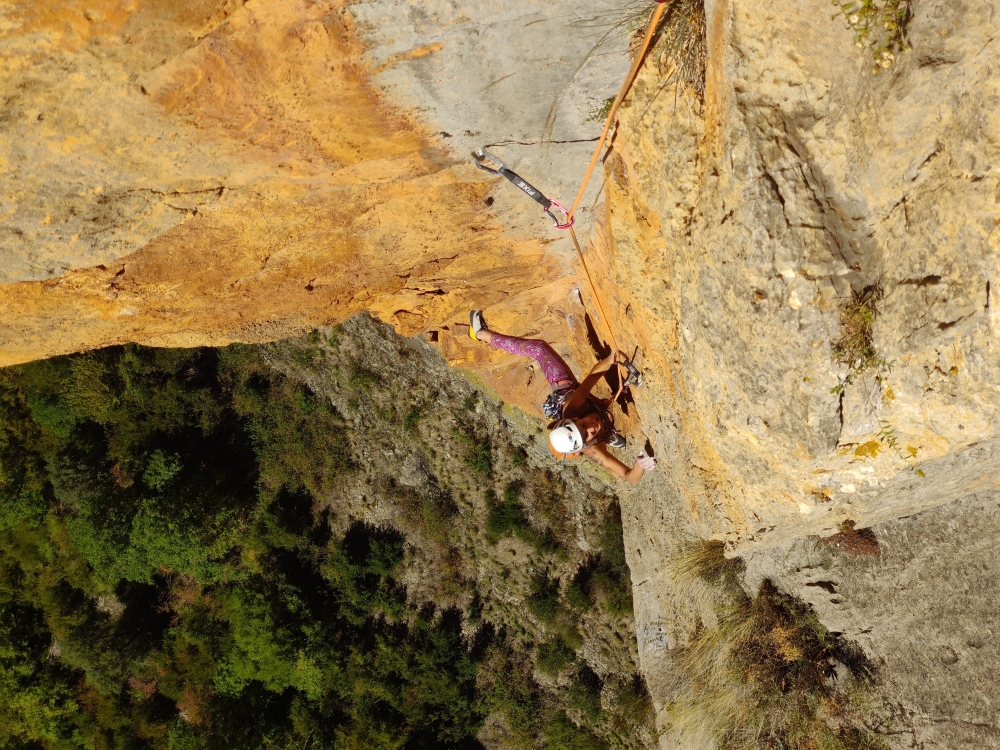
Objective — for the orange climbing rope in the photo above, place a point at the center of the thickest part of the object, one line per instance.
(629, 79)
(484, 158)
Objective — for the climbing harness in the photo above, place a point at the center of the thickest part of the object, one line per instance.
(633, 376)
(481, 155)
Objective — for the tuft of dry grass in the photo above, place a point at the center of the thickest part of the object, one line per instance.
(681, 47)
(859, 542)
(679, 44)
(856, 345)
(705, 560)
(761, 677)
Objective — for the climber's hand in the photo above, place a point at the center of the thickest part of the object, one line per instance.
(646, 463)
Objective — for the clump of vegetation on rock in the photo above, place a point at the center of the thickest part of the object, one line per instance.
(879, 25)
(856, 347)
(763, 674)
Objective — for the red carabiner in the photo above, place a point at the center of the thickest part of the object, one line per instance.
(570, 219)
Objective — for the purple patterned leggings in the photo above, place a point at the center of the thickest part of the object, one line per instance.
(553, 366)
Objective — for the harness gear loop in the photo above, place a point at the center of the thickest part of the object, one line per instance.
(481, 155)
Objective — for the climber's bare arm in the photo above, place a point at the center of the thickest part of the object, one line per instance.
(600, 455)
(576, 401)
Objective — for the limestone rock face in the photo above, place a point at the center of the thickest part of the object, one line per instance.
(923, 611)
(181, 173)
(738, 231)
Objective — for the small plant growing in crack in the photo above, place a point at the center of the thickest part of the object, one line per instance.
(857, 350)
(856, 345)
(600, 114)
(887, 436)
(878, 24)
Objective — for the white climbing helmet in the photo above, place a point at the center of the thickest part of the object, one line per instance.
(565, 437)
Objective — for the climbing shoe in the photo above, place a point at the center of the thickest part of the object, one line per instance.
(477, 323)
(616, 441)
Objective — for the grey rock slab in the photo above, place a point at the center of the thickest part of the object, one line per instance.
(925, 612)
(521, 77)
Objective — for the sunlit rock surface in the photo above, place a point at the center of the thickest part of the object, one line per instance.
(182, 173)
(204, 172)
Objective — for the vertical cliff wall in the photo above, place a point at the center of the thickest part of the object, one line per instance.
(739, 229)
(239, 171)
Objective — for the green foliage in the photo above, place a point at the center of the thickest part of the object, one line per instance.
(182, 737)
(631, 705)
(578, 591)
(298, 436)
(505, 518)
(161, 470)
(543, 597)
(412, 418)
(585, 692)
(158, 522)
(506, 686)
(879, 25)
(604, 578)
(38, 700)
(362, 568)
(611, 580)
(508, 518)
(600, 114)
(363, 379)
(471, 401)
(554, 655)
(168, 530)
(478, 451)
(887, 436)
(54, 416)
(563, 734)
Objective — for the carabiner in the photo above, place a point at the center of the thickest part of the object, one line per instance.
(481, 154)
(569, 219)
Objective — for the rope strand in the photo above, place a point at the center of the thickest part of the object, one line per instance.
(629, 79)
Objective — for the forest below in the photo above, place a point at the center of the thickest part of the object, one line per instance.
(187, 561)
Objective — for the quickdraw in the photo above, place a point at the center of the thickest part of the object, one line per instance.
(481, 155)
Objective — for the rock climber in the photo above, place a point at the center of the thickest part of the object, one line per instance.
(581, 423)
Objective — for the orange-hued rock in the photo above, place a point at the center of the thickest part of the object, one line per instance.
(184, 174)
(206, 172)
